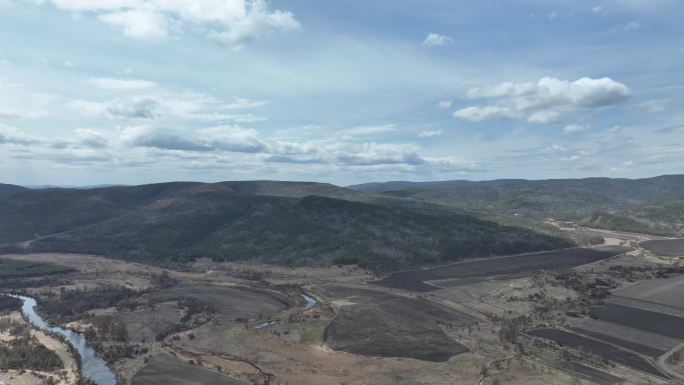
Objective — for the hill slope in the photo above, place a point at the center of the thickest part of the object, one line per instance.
(627, 204)
(10, 189)
(182, 221)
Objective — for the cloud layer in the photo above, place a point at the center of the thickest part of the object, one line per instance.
(230, 22)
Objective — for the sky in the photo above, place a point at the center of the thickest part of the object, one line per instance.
(142, 91)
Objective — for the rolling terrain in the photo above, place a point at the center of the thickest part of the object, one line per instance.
(248, 221)
(651, 205)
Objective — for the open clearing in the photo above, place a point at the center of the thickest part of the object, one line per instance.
(166, 370)
(649, 321)
(380, 324)
(512, 265)
(665, 247)
(664, 291)
(589, 345)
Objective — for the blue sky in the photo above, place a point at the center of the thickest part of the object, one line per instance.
(138, 91)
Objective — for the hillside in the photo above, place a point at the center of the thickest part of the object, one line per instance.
(183, 221)
(10, 189)
(296, 189)
(623, 204)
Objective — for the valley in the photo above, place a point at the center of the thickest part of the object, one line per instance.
(605, 311)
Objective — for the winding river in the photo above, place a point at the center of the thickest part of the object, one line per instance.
(92, 366)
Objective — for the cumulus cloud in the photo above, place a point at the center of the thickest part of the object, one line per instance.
(122, 84)
(257, 22)
(231, 22)
(435, 39)
(232, 138)
(148, 136)
(138, 23)
(544, 101)
(219, 138)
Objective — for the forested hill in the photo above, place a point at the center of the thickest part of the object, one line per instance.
(10, 189)
(276, 222)
(650, 205)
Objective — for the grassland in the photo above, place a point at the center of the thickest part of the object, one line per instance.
(10, 268)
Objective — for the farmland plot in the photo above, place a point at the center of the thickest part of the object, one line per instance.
(379, 324)
(664, 291)
(654, 344)
(658, 323)
(167, 370)
(575, 341)
(500, 266)
(230, 302)
(665, 247)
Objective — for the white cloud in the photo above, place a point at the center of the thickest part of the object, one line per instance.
(478, 114)
(430, 133)
(232, 138)
(544, 101)
(122, 84)
(138, 23)
(444, 104)
(574, 128)
(255, 24)
(435, 39)
(232, 22)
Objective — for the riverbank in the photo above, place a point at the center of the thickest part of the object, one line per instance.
(77, 356)
(67, 374)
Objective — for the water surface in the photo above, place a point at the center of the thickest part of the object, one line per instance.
(92, 366)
